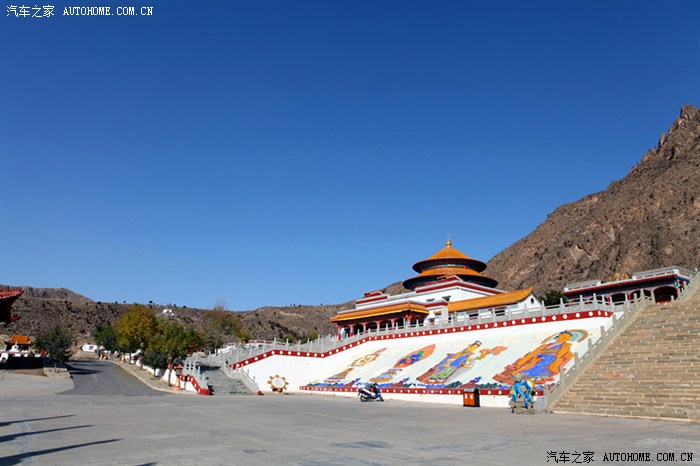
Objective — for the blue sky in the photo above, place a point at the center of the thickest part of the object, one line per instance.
(275, 153)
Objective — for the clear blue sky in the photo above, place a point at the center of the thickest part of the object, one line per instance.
(274, 153)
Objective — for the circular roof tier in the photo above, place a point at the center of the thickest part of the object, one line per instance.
(433, 275)
(447, 262)
(448, 256)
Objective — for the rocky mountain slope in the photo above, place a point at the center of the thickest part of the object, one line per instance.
(649, 219)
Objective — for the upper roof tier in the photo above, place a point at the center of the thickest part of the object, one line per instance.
(449, 256)
(446, 262)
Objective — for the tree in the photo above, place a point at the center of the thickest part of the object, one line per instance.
(220, 326)
(135, 327)
(171, 341)
(553, 297)
(56, 342)
(309, 337)
(156, 360)
(106, 337)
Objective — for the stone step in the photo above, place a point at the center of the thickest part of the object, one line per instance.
(652, 369)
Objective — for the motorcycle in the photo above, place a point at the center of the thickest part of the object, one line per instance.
(370, 393)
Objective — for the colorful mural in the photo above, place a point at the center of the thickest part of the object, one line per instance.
(453, 361)
(449, 365)
(401, 364)
(338, 378)
(495, 351)
(546, 361)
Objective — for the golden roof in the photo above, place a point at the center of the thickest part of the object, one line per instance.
(497, 300)
(18, 339)
(381, 311)
(448, 254)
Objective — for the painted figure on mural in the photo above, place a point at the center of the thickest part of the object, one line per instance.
(359, 362)
(449, 365)
(406, 361)
(546, 361)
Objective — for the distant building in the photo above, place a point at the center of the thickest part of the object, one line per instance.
(664, 284)
(18, 345)
(449, 283)
(7, 299)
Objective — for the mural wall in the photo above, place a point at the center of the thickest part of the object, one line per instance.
(464, 361)
(482, 358)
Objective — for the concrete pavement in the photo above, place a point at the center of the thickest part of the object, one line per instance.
(38, 425)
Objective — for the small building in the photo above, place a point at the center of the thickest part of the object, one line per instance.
(7, 299)
(449, 285)
(663, 284)
(18, 345)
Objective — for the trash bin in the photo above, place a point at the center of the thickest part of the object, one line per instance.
(471, 398)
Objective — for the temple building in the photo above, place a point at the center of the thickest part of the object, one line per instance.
(7, 299)
(449, 285)
(663, 284)
(18, 345)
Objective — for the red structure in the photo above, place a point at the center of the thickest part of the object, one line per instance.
(7, 299)
(663, 284)
(449, 285)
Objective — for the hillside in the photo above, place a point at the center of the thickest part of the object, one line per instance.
(649, 219)
(40, 308)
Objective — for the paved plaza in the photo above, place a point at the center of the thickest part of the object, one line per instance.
(104, 416)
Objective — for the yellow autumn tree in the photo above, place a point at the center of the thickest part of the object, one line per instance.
(136, 327)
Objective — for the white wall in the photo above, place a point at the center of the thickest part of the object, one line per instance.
(518, 341)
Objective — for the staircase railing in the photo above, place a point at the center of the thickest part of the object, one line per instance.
(691, 288)
(243, 376)
(619, 323)
(192, 367)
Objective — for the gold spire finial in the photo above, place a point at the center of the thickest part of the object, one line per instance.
(448, 243)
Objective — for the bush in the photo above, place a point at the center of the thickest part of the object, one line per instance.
(56, 342)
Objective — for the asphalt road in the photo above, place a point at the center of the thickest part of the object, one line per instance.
(94, 378)
(39, 425)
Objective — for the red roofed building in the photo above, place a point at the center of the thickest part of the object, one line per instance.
(18, 344)
(448, 283)
(7, 299)
(664, 284)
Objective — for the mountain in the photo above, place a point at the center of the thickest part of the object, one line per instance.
(41, 308)
(649, 219)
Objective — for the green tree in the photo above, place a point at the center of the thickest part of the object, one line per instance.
(553, 297)
(309, 337)
(156, 360)
(135, 327)
(56, 342)
(171, 341)
(221, 326)
(107, 337)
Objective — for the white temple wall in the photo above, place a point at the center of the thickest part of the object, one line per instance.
(492, 351)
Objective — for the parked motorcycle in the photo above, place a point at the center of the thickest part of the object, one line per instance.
(370, 393)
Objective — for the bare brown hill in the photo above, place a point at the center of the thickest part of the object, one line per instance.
(649, 219)
(41, 308)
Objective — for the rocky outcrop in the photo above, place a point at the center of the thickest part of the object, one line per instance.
(649, 219)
